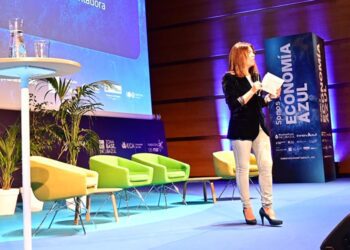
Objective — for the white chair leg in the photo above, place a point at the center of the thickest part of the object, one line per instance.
(78, 202)
(50, 210)
(141, 198)
(58, 205)
(233, 189)
(161, 188)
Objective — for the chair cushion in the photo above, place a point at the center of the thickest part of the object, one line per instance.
(176, 174)
(138, 177)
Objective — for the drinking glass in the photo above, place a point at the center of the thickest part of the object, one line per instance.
(41, 48)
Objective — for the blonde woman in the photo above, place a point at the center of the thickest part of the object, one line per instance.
(247, 130)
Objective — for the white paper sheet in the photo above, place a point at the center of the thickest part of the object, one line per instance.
(271, 83)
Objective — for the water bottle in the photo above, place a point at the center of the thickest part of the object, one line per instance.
(17, 46)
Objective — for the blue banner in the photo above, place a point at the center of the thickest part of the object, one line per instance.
(125, 136)
(301, 135)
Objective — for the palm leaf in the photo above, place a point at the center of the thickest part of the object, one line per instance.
(59, 87)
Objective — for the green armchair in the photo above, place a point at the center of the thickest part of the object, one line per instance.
(118, 172)
(166, 171)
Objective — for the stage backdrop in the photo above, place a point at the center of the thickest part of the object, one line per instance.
(301, 135)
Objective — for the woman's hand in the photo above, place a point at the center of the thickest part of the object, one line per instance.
(256, 86)
(277, 95)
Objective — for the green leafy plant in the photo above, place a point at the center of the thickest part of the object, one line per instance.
(74, 103)
(10, 154)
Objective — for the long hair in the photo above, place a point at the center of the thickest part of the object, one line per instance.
(237, 60)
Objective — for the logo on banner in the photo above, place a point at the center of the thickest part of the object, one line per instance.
(133, 95)
(131, 145)
(107, 147)
(115, 88)
(155, 147)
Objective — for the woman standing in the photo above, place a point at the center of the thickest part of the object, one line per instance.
(247, 130)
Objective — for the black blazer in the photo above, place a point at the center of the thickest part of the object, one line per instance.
(245, 119)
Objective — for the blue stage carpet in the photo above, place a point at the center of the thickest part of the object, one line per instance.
(309, 212)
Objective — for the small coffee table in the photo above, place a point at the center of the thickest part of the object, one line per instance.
(204, 181)
(110, 192)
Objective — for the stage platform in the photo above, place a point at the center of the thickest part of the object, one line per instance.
(309, 211)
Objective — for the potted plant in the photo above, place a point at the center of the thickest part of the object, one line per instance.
(74, 103)
(10, 156)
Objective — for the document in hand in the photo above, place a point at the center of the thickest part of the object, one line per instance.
(271, 83)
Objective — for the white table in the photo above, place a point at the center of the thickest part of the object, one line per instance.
(26, 68)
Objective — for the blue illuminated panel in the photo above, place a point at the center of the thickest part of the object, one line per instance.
(301, 133)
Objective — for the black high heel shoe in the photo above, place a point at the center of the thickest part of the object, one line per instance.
(249, 222)
(273, 222)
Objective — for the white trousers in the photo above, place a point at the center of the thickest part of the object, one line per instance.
(262, 150)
